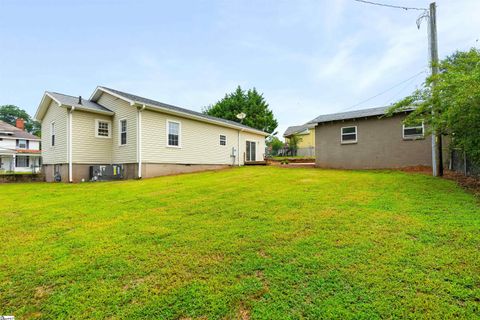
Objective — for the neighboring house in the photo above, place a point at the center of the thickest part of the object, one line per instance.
(148, 138)
(306, 133)
(367, 139)
(19, 150)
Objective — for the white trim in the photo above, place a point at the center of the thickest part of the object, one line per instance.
(120, 132)
(70, 144)
(348, 141)
(139, 141)
(220, 140)
(179, 133)
(94, 94)
(413, 136)
(97, 122)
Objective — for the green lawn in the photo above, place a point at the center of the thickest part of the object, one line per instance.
(245, 243)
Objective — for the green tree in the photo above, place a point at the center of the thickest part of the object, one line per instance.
(10, 113)
(293, 142)
(274, 144)
(250, 102)
(456, 97)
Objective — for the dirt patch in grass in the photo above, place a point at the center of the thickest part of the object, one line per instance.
(472, 184)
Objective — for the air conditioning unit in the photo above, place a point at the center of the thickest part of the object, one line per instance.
(106, 172)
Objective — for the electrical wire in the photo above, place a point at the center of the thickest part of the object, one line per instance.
(390, 5)
(385, 91)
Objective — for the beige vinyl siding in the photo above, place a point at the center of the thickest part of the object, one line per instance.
(123, 110)
(199, 141)
(58, 153)
(86, 147)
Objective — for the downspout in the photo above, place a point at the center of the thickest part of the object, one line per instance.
(70, 153)
(139, 140)
(238, 149)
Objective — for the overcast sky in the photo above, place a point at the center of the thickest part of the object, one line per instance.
(307, 57)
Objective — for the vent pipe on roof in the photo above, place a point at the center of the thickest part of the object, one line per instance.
(79, 99)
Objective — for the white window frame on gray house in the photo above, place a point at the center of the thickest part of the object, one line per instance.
(342, 134)
(108, 129)
(122, 131)
(414, 135)
(223, 140)
(171, 131)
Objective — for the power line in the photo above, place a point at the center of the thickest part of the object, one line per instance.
(391, 6)
(385, 91)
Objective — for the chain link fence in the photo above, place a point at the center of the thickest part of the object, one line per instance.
(460, 162)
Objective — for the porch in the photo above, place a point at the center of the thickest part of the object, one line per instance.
(24, 162)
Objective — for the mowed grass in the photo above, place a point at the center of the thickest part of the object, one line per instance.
(244, 243)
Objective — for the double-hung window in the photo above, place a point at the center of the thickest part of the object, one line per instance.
(173, 133)
(349, 134)
(413, 131)
(22, 144)
(52, 133)
(223, 140)
(123, 132)
(102, 129)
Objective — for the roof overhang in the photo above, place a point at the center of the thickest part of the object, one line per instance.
(48, 98)
(43, 106)
(99, 90)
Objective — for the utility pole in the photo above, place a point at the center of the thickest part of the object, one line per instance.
(437, 157)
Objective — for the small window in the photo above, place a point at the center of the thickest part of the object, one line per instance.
(52, 133)
(123, 132)
(223, 140)
(413, 132)
(22, 144)
(22, 162)
(349, 134)
(173, 132)
(103, 129)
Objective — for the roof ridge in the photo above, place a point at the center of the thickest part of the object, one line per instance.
(177, 108)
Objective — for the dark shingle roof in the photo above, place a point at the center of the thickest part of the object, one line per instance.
(73, 101)
(16, 133)
(154, 103)
(351, 115)
(296, 129)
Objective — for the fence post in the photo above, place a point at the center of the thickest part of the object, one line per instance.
(465, 171)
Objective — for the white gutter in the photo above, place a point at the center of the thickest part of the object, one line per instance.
(139, 140)
(70, 157)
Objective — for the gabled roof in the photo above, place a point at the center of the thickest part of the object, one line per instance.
(73, 102)
(64, 100)
(379, 111)
(298, 129)
(7, 130)
(134, 99)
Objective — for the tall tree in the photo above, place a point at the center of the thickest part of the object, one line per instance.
(456, 97)
(250, 102)
(10, 113)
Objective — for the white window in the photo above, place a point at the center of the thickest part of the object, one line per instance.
(413, 132)
(22, 144)
(123, 132)
(173, 133)
(102, 129)
(52, 133)
(223, 140)
(349, 134)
